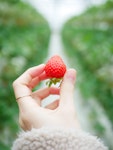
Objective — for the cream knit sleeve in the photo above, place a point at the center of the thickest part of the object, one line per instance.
(47, 138)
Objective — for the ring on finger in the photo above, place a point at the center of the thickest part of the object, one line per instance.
(22, 97)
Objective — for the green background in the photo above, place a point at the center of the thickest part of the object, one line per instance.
(88, 46)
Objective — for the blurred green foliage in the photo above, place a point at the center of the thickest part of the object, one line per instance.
(10, 1)
(24, 38)
(88, 41)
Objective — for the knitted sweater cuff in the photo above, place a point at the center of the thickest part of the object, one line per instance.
(48, 138)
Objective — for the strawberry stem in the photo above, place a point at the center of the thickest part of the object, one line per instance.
(53, 81)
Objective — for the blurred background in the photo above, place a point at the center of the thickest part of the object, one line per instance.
(78, 30)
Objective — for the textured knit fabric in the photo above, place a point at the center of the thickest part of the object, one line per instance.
(57, 139)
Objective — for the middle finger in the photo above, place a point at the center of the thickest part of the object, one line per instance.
(45, 92)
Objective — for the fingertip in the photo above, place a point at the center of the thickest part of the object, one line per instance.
(43, 65)
(37, 70)
(53, 105)
(70, 75)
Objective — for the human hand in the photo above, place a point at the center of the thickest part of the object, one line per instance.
(60, 113)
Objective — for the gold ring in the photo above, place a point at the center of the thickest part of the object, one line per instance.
(22, 97)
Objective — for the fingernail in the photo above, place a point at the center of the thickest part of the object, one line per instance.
(70, 75)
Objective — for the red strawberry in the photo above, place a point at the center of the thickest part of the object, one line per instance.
(55, 69)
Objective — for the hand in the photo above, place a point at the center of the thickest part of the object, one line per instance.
(59, 113)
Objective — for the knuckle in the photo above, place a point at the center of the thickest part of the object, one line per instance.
(14, 83)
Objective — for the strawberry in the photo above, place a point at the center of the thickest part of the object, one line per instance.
(55, 69)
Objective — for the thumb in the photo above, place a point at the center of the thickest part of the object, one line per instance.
(67, 88)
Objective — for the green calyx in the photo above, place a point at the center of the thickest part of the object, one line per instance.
(53, 81)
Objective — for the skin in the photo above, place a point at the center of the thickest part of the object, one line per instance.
(60, 113)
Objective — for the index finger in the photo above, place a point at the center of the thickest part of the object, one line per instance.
(21, 84)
